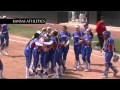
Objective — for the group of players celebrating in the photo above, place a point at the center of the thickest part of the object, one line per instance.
(53, 47)
(50, 45)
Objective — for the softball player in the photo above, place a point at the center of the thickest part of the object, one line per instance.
(44, 31)
(36, 53)
(49, 30)
(64, 37)
(108, 48)
(87, 49)
(51, 51)
(6, 35)
(77, 46)
(85, 27)
(28, 52)
(48, 44)
(57, 57)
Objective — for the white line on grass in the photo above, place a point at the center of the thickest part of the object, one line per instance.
(18, 41)
(19, 37)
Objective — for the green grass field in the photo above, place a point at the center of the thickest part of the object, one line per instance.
(22, 30)
(27, 32)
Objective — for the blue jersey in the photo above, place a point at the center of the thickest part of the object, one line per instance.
(87, 38)
(76, 37)
(64, 36)
(84, 31)
(54, 43)
(31, 44)
(4, 28)
(50, 39)
(108, 45)
(41, 35)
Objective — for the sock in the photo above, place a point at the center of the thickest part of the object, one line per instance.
(27, 71)
(88, 65)
(56, 71)
(75, 66)
(61, 69)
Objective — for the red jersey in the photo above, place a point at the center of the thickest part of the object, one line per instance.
(100, 27)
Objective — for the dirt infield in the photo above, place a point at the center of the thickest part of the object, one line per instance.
(14, 64)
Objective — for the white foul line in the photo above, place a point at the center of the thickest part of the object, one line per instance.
(18, 41)
(19, 37)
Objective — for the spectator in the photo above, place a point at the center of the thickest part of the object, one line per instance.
(73, 15)
(100, 28)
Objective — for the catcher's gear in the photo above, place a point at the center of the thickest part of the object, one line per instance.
(115, 58)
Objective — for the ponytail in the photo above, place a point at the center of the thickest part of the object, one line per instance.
(35, 36)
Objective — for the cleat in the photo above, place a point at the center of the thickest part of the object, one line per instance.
(6, 52)
(55, 77)
(75, 69)
(79, 67)
(28, 77)
(104, 76)
(38, 76)
(83, 63)
(87, 70)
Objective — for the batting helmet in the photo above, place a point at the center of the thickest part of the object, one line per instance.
(107, 33)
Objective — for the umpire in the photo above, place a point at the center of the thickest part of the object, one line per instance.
(99, 30)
